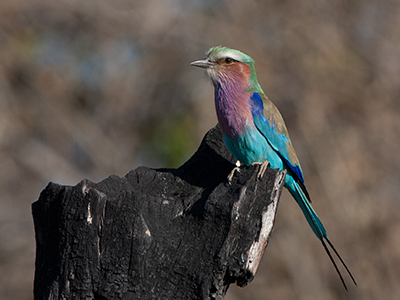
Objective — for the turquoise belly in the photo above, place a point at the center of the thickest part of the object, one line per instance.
(251, 147)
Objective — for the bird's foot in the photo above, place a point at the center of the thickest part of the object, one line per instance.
(263, 167)
(237, 168)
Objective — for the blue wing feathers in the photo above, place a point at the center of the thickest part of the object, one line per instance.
(277, 141)
(294, 181)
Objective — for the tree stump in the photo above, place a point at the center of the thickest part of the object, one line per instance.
(181, 233)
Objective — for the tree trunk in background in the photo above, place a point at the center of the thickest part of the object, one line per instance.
(156, 234)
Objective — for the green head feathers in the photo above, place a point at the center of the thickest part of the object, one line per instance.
(217, 53)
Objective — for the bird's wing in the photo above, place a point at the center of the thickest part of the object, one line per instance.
(271, 125)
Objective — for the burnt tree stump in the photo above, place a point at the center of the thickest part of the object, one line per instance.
(156, 233)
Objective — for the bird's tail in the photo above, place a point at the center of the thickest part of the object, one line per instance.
(315, 223)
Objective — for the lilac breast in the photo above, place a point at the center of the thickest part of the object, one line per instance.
(232, 107)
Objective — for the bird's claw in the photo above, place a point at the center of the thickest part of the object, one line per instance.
(232, 173)
(264, 166)
(237, 168)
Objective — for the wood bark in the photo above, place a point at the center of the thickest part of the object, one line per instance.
(182, 233)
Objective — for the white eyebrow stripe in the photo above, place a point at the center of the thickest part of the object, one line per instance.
(229, 53)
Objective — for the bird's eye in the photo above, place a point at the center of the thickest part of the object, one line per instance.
(228, 60)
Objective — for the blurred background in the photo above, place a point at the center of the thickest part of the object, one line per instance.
(94, 88)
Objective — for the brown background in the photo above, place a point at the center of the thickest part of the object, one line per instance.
(94, 88)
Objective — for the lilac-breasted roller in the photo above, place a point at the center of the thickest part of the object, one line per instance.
(254, 131)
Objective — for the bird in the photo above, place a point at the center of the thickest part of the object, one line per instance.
(254, 131)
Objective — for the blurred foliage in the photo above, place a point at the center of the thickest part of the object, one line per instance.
(172, 143)
(94, 88)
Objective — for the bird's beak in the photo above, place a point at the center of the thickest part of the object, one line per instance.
(202, 63)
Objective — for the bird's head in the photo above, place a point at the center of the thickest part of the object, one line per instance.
(229, 65)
